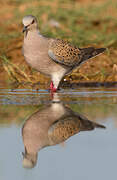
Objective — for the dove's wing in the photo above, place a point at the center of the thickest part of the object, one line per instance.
(64, 53)
(68, 126)
(62, 129)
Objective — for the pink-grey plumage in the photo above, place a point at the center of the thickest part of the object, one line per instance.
(52, 57)
(51, 125)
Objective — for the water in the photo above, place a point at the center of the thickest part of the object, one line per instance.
(87, 155)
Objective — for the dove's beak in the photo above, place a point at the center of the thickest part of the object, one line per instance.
(24, 29)
(23, 154)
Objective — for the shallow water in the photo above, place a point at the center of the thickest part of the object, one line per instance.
(86, 155)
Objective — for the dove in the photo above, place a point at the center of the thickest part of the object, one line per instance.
(53, 57)
(51, 125)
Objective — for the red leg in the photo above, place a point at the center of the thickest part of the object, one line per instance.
(52, 88)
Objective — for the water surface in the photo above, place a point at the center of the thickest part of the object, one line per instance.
(86, 155)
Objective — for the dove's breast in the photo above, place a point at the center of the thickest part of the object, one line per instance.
(35, 51)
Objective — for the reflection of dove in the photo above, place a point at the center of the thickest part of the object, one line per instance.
(68, 126)
(51, 125)
(53, 57)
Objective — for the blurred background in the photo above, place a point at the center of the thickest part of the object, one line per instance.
(82, 22)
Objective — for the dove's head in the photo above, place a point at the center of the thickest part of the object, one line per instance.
(30, 23)
(29, 159)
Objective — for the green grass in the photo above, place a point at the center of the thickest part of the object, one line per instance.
(96, 109)
(16, 114)
(81, 25)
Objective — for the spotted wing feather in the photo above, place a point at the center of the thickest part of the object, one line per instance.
(68, 126)
(63, 129)
(64, 53)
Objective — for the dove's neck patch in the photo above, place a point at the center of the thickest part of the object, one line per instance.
(25, 33)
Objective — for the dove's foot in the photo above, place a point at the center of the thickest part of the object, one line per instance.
(52, 88)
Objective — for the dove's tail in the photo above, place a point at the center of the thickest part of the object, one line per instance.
(96, 125)
(90, 52)
(87, 125)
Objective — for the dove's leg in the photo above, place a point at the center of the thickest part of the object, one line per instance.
(56, 78)
(52, 88)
